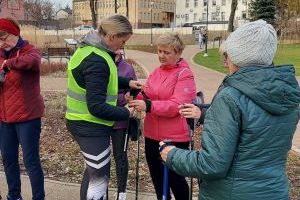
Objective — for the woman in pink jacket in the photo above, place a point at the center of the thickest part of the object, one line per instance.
(167, 87)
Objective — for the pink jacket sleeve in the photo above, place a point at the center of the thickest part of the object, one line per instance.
(184, 92)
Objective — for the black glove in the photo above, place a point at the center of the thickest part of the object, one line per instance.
(134, 92)
(133, 129)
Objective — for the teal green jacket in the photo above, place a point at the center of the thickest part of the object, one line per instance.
(247, 134)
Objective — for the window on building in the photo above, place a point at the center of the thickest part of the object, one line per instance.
(186, 17)
(204, 16)
(204, 2)
(187, 3)
(195, 3)
(244, 15)
(195, 17)
(214, 2)
(222, 16)
(223, 2)
(213, 16)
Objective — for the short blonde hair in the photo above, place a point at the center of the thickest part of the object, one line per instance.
(171, 39)
(116, 25)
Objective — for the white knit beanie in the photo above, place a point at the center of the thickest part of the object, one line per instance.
(254, 43)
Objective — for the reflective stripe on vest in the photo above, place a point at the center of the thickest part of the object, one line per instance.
(76, 96)
(82, 98)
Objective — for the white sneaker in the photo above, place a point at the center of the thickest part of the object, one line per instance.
(122, 196)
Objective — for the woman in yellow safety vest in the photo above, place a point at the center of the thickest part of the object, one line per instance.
(93, 85)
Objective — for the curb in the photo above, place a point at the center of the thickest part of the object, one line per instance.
(209, 69)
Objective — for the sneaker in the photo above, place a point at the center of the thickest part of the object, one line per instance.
(122, 196)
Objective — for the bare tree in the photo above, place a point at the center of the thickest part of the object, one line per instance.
(93, 12)
(47, 9)
(39, 9)
(234, 4)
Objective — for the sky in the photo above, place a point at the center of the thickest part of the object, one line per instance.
(62, 3)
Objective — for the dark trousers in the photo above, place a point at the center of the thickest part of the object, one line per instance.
(177, 183)
(26, 134)
(120, 156)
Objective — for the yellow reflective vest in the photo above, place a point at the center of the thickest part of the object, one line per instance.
(76, 96)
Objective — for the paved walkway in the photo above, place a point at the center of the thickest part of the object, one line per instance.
(206, 80)
(64, 191)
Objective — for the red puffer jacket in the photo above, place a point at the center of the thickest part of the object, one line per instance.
(20, 98)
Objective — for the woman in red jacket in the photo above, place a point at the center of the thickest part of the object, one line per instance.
(21, 109)
(167, 87)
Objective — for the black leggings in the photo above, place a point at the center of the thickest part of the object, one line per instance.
(177, 183)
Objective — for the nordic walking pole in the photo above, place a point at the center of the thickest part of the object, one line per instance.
(191, 125)
(137, 166)
(166, 172)
(166, 182)
(131, 97)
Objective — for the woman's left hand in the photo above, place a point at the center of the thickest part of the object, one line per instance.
(165, 151)
(139, 105)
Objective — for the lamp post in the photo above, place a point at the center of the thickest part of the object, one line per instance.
(151, 40)
(206, 39)
(174, 26)
(116, 6)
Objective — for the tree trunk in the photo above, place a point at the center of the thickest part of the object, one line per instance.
(234, 4)
(93, 12)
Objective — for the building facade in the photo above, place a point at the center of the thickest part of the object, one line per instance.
(195, 11)
(65, 13)
(141, 13)
(12, 8)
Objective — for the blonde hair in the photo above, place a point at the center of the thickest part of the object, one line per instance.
(171, 39)
(117, 25)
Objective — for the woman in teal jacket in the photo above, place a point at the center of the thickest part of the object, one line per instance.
(249, 127)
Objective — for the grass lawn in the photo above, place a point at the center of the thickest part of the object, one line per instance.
(286, 54)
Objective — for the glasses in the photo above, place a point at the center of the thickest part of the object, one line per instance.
(3, 38)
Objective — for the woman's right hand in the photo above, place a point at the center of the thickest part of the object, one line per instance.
(189, 111)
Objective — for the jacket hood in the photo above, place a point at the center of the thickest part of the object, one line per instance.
(93, 38)
(274, 88)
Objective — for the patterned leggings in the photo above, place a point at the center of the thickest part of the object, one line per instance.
(96, 153)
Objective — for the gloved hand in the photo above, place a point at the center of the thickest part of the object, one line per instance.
(2, 76)
(3, 70)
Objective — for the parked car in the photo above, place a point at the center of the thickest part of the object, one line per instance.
(84, 27)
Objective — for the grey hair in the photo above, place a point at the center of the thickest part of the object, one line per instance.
(171, 39)
(116, 25)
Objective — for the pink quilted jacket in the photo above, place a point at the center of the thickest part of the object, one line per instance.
(167, 87)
